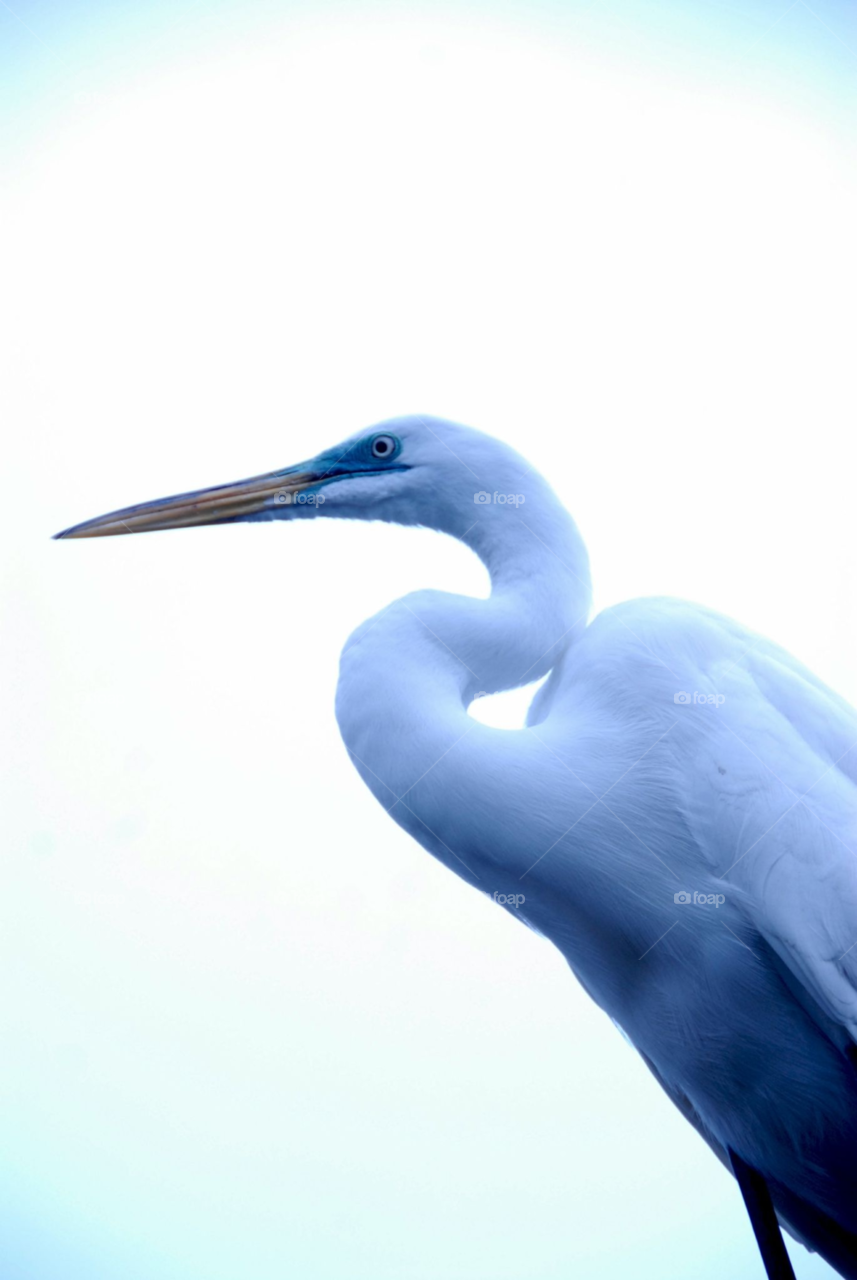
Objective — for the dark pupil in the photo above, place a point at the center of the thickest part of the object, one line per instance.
(381, 446)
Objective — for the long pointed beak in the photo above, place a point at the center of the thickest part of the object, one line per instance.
(218, 505)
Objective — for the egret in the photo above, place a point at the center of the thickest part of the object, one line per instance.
(678, 816)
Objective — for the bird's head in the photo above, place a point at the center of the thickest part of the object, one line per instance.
(412, 470)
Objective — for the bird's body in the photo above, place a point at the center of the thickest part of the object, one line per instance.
(615, 799)
(679, 816)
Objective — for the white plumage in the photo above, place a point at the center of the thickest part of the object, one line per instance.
(679, 814)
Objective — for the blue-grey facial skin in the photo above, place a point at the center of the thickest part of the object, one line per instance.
(357, 460)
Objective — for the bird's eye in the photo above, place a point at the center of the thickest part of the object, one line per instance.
(383, 447)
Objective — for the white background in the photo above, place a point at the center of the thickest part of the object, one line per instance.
(250, 1029)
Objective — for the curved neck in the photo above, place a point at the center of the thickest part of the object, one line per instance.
(540, 597)
(408, 674)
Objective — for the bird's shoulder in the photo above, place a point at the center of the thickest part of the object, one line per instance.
(754, 753)
(661, 640)
(639, 655)
(763, 768)
(654, 628)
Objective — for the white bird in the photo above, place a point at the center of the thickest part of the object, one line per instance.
(679, 814)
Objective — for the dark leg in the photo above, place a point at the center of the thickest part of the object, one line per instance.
(766, 1229)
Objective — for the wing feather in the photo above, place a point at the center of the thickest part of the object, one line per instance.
(772, 802)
